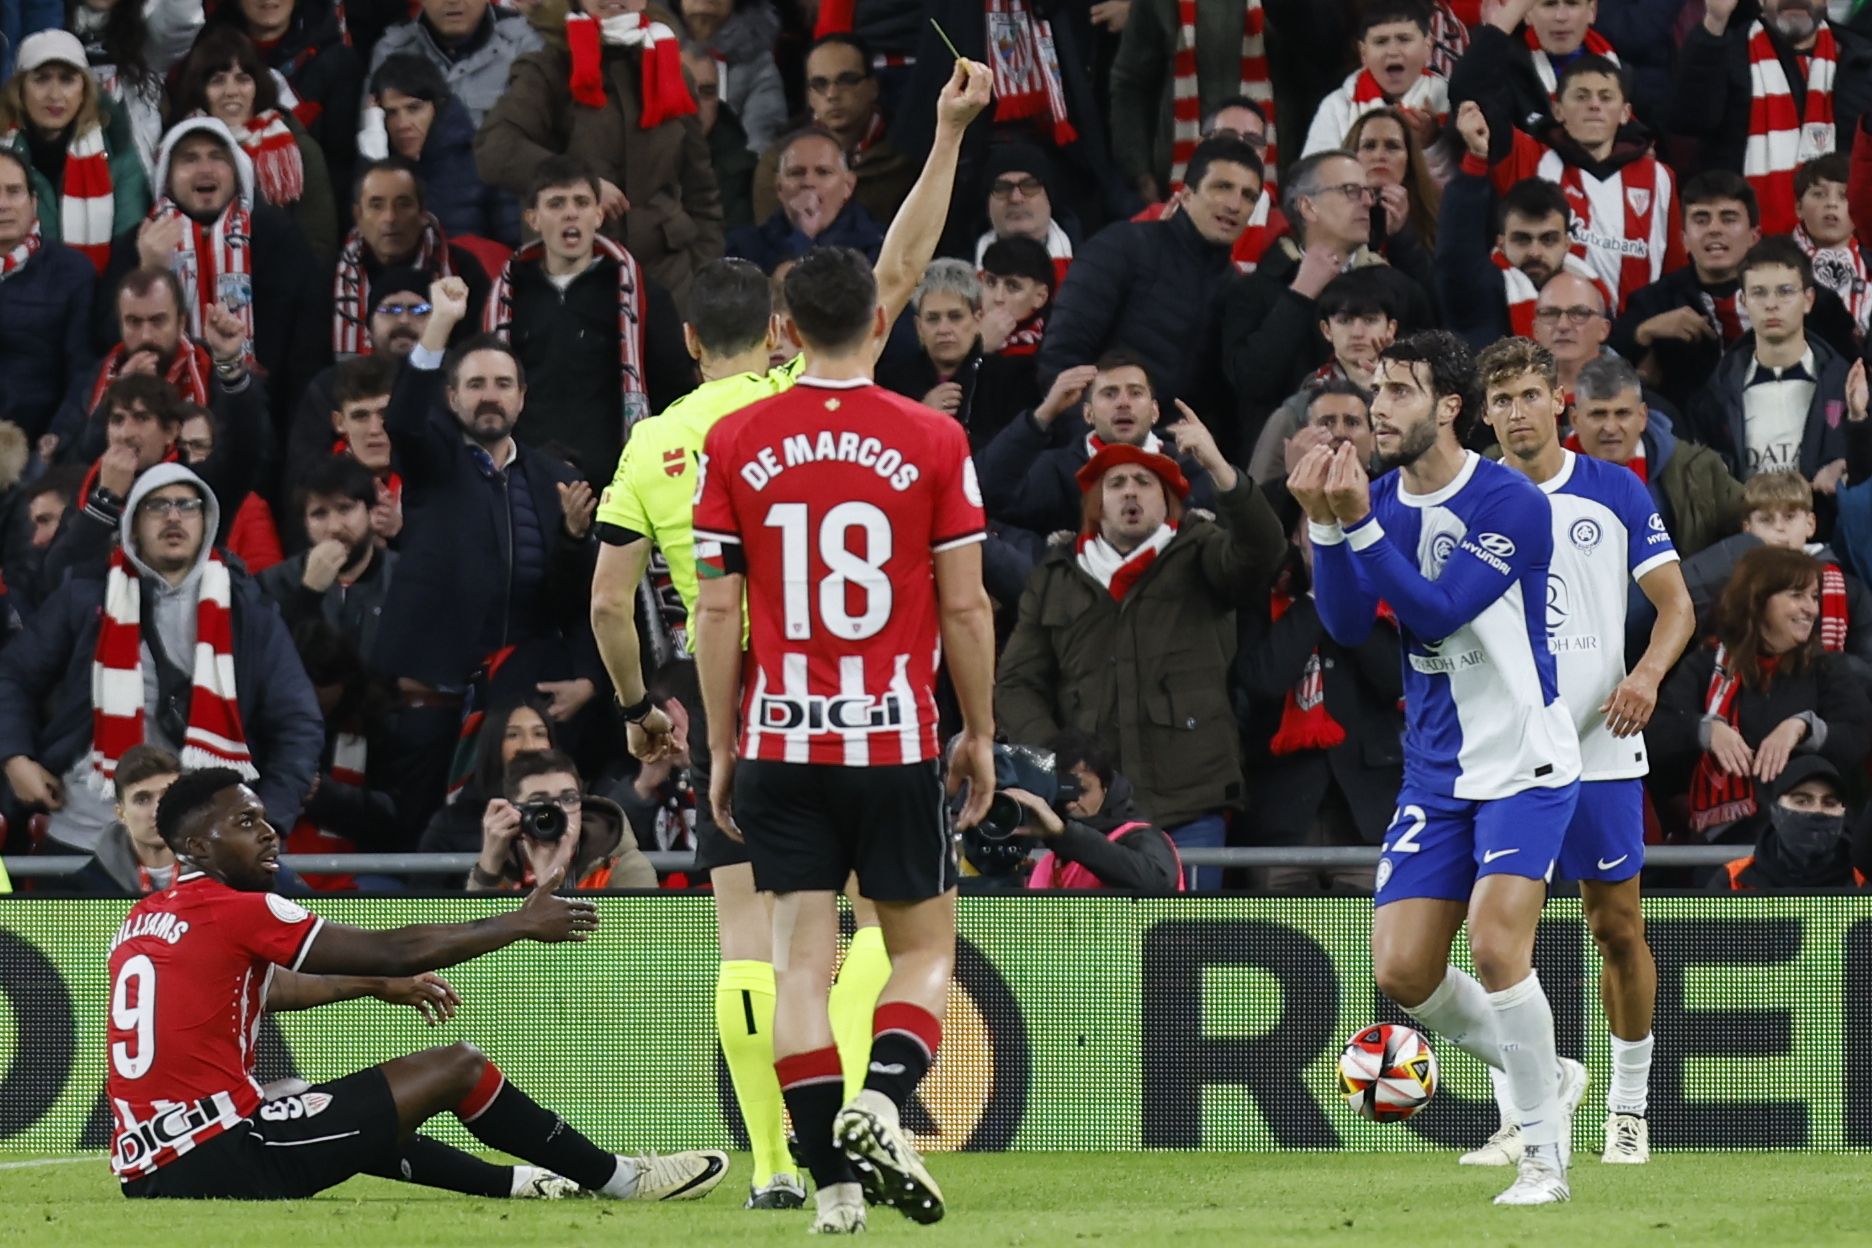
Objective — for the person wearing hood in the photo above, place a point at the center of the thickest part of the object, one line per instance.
(132, 46)
(1699, 499)
(411, 113)
(1777, 397)
(1805, 843)
(86, 173)
(304, 43)
(169, 646)
(1624, 198)
(739, 36)
(546, 822)
(229, 248)
(608, 89)
(1128, 632)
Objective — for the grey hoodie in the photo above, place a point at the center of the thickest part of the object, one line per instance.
(170, 611)
(243, 167)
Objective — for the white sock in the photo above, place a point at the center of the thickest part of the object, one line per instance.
(522, 1175)
(623, 1183)
(1504, 1096)
(1631, 1077)
(839, 1194)
(1459, 1011)
(1525, 1023)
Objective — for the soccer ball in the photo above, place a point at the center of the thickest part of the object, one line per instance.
(1387, 1072)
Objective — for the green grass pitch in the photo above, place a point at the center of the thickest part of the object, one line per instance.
(1185, 1199)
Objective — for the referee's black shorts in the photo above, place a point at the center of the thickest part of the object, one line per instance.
(810, 825)
(714, 848)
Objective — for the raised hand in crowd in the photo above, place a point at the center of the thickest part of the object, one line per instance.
(1856, 391)
(324, 561)
(225, 333)
(157, 239)
(612, 200)
(1066, 391)
(1193, 438)
(945, 397)
(1472, 125)
(448, 304)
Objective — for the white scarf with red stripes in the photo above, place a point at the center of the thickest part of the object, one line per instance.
(1841, 270)
(1186, 100)
(1025, 61)
(278, 167)
(499, 316)
(1101, 561)
(214, 264)
(1523, 295)
(15, 259)
(1258, 235)
(1595, 45)
(350, 293)
(1781, 139)
(214, 737)
(87, 200)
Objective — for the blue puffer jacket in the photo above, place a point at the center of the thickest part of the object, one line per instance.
(45, 335)
(454, 191)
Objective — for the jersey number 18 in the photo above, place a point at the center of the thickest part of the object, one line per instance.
(845, 567)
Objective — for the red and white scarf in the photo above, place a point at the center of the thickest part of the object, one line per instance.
(499, 316)
(665, 96)
(1305, 723)
(1725, 314)
(278, 168)
(351, 292)
(1782, 138)
(1266, 226)
(1637, 463)
(189, 373)
(1025, 340)
(349, 755)
(1841, 270)
(1368, 97)
(1059, 247)
(87, 201)
(1595, 45)
(1835, 609)
(1523, 295)
(1186, 100)
(22, 252)
(1449, 38)
(1100, 560)
(1026, 67)
(214, 264)
(1718, 799)
(214, 737)
(1639, 180)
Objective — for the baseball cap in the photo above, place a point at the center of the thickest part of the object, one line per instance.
(48, 47)
(1804, 767)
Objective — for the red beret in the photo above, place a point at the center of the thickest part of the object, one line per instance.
(1114, 453)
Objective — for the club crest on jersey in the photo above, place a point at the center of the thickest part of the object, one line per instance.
(1639, 198)
(1584, 535)
(673, 461)
(816, 713)
(1442, 546)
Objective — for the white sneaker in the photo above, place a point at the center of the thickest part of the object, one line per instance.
(533, 1183)
(841, 1210)
(1540, 1182)
(1627, 1140)
(891, 1170)
(678, 1176)
(1573, 1081)
(1501, 1149)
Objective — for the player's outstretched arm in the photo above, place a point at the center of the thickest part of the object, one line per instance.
(911, 241)
(432, 996)
(543, 916)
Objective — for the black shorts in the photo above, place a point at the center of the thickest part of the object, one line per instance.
(293, 1147)
(714, 848)
(809, 825)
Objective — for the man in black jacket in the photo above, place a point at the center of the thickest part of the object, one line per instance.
(1522, 64)
(1100, 831)
(1677, 328)
(1778, 397)
(204, 186)
(342, 579)
(1153, 286)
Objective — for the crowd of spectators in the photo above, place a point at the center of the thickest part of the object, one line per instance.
(323, 322)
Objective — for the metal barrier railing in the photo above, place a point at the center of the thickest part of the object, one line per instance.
(55, 865)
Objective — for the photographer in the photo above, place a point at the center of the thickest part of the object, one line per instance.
(1098, 843)
(547, 821)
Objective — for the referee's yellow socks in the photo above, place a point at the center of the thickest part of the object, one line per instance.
(744, 1011)
(854, 1001)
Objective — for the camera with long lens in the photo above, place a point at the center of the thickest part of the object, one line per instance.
(542, 820)
(1002, 840)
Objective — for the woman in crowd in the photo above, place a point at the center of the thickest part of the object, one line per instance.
(131, 45)
(608, 88)
(1395, 166)
(225, 78)
(518, 728)
(304, 41)
(412, 113)
(86, 174)
(1761, 691)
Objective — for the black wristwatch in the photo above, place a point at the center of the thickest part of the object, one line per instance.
(636, 712)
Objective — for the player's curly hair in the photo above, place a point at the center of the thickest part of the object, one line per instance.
(187, 798)
(1759, 575)
(1451, 366)
(1516, 357)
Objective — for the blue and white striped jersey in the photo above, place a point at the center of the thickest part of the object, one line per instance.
(1465, 572)
(1607, 533)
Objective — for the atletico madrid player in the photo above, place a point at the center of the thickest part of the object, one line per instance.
(193, 970)
(852, 518)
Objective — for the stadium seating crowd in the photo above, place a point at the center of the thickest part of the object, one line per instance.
(1187, 224)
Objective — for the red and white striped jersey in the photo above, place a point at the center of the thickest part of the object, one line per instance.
(838, 494)
(188, 973)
